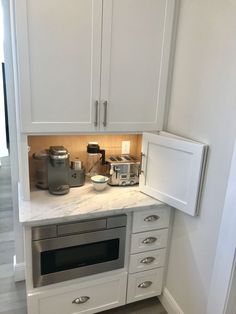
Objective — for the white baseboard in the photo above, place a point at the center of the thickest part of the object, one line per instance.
(19, 270)
(169, 303)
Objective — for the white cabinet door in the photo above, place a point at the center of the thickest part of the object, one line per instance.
(172, 170)
(136, 47)
(59, 47)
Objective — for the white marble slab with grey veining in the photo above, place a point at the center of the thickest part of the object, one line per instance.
(82, 203)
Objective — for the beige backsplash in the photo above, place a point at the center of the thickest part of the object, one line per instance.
(77, 145)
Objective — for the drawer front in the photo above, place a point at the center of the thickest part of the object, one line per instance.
(144, 285)
(151, 219)
(90, 299)
(147, 241)
(147, 260)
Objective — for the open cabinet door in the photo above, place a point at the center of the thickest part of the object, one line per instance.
(172, 170)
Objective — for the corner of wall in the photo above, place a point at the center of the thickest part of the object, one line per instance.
(169, 303)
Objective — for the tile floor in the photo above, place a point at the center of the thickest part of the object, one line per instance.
(12, 295)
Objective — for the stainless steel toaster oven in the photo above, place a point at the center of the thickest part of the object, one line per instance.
(123, 170)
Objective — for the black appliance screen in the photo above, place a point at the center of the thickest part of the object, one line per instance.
(79, 256)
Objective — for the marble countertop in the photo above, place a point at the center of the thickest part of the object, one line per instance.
(82, 203)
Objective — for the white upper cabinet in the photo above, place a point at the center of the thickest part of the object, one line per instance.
(59, 53)
(136, 51)
(172, 170)
(90, 65)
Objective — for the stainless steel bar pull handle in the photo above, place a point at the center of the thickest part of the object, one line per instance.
(148, 260)
(96, 113)
(151, 218)
(149, 240)
(105, 114)
(145, 284)
(141, 163)
(81, 300)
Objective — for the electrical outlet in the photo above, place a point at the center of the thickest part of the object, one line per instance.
(125, 147)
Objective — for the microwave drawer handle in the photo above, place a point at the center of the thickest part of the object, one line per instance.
(149, 240)
(151, 218)
(81, 300)
(145, 284)
(147, 260)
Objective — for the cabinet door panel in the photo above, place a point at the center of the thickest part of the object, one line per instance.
(61, 42)
(172, 170)
(135, 32)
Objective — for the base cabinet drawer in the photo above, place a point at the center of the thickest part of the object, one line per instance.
(147, 241)
(151, 219)
(108, 293)
(147, 260)
(144, 285)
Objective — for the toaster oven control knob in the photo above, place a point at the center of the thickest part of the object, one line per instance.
(132, 182)
(81, 300)
(123, 183)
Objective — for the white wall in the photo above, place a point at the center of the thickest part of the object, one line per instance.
(203, 107)
(223, 282)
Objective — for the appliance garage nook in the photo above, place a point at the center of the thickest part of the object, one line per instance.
(87, 249)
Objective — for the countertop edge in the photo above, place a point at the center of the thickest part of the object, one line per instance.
(90, 215)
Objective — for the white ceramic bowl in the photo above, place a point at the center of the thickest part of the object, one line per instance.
(99, 182)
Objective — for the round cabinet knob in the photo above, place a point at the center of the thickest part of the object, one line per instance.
(145, 284)
(132, 182)
(149, 240)
(81, 300)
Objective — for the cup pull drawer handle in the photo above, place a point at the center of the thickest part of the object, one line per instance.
(151, 218)
(145, 284)
(149, 240)
(147, 260)
(81, 300)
